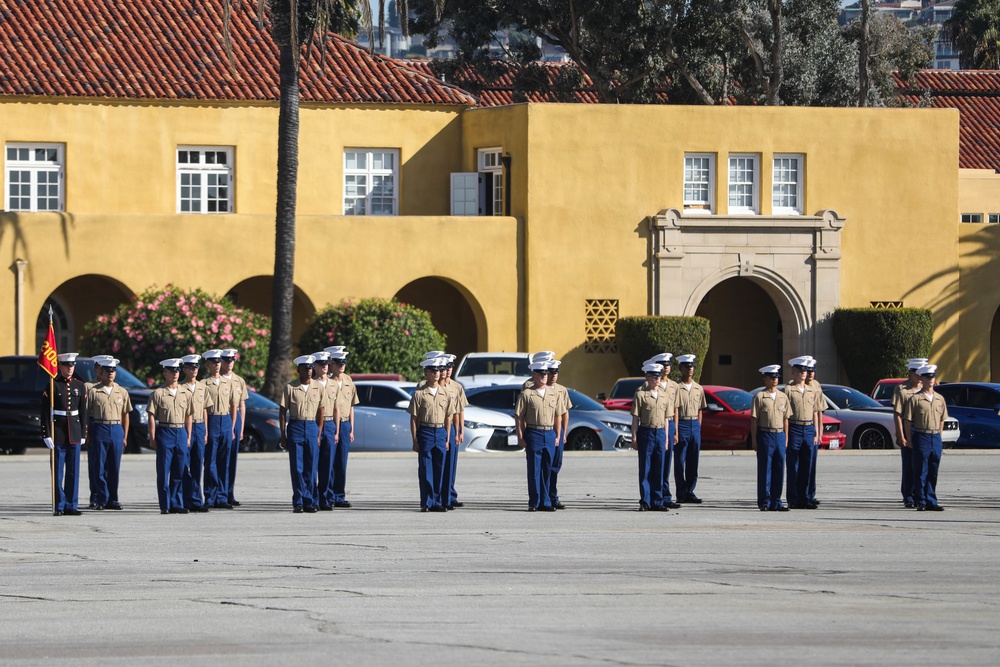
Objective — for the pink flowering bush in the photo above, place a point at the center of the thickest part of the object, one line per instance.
(382, 335)
(172, 322)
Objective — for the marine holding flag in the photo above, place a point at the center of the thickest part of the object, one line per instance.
(64, 416)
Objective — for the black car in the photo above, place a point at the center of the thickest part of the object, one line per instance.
(21, 384)
(262, 432)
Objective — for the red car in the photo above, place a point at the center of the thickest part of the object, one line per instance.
(726, 422)
(884, 389)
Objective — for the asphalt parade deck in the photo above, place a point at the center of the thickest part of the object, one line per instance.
(859, 581)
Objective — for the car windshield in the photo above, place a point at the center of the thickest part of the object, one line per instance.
(847, 398)
(257, 402)
(737, 399)
(626, 388)
(496, 366)
(579, 401)
(884, 390)
(85, 371)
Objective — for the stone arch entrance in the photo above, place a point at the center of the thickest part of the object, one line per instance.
(255, 294)
(75, 303)
(794, 260)
(453, 309)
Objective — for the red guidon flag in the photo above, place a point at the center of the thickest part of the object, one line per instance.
(48, 357)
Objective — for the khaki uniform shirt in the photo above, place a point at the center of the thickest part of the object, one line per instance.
(901, 394)
(651, 410)
(563, 396)
(167, 409)
(347, 396)
(670, 387)
(925, 412)
(239, 389)
(108, 407)
(770, 413)
(199, 394)
(302, 401)
(432, 407)
(329, 396)
(533, 409)
(804, 404)
(219, 400)
(821, 401)
(461, 402)
(690, 402)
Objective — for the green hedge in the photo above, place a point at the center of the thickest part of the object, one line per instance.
(640, 338)
(875, 343)
(381, 335)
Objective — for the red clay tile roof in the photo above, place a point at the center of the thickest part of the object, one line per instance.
(500, 91)
(976, 95)
(172, 49)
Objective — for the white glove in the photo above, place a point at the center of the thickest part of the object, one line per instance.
(83, 441)
(48, 443)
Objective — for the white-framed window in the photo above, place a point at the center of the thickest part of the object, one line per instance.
(974, 218)
(34, 177)
(699, 183)
(786, 184)
(490, 163)
(744, 181)
(205, 179)
(993, 218)
(371, 181)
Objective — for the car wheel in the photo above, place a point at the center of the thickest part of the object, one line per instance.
(583, 440)
(11, 451)
(872, 437)
(251, 442)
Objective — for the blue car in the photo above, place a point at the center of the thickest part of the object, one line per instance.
(591, 425)
(975, 405)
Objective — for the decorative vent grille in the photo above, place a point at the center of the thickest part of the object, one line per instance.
(887, 305)
(601, 317)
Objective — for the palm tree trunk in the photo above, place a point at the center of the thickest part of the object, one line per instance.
(863, 43)
(280, 350)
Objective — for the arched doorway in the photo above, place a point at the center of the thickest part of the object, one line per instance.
(75, 303)
(453, 313)
(747, 333)
(256, 293)
(995, 348)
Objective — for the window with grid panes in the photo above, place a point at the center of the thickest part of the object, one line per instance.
(490, 163)
(371, 181)
(974, 218)
(204, 179)
(786, 185)
(699, 181)
(743, 183)
(34, 175)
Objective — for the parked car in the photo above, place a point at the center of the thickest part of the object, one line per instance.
(726, 423)
(479, 369)
(382, 423)
(21, 384)
(591, 425)
(262, 431)
(621, 394)
(884, 389)
(975, 405)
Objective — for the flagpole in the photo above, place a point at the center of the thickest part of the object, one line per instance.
(52, 427)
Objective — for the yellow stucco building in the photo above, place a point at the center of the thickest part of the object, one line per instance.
(519, 227)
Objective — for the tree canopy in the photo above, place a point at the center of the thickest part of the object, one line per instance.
(975, 32)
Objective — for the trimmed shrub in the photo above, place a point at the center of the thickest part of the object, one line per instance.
(875, 343)
(381, 335)
(172, 322)
(639, 338)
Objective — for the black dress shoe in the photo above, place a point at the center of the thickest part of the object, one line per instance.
(326, 508)
(810, 506)
(163, 511)
(98, 507)
(57, 513)
(423, 509)
(762, 509)
(223, 506)
(199, 508)
(814, 501)
(437, 508)
(297, 509)
(531, 509)
(672, 505)
(114, 506)
(342, 503)
(235, 503)
(920, 508)
(312, 509)
(71, 512)
(659, 508)
(178, 510)
(780, 508)
(694, 500)
(547, 508)
(92, 506)
(559, 506)
(643, 507)
(935, 508)
(909, 504)
(457, 504)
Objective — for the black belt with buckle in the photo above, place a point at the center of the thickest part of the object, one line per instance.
(431, 425)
